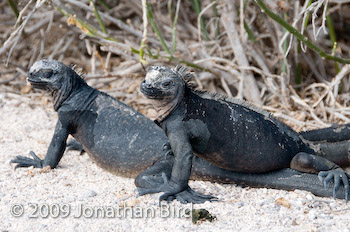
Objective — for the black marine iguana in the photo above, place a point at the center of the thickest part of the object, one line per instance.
(233, 135)
(126, 143)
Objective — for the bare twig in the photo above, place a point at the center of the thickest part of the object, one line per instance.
(15, 36)
(115, 66)
(344, 71)
(145, 25)
(297, 34)
(199, 20)
(250, 86)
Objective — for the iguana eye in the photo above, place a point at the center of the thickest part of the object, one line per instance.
(45, 73)
(167, 84)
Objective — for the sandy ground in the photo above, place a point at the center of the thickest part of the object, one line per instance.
(31, 200)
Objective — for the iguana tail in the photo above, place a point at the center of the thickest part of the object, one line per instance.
(330, 134)
(286, 179)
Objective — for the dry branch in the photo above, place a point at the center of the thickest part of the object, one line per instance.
(240, 58)
(251, 90)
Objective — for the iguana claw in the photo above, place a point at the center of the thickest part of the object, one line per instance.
(23, 162)
(167, 148)
(173, 191)
(191, 196)
(336, 175)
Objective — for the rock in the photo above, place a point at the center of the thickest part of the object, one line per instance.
(88, 193)
(70, 199)
(309, 197)
(239, 204)
(312, 215)
(283, 202)
(129, 203)
(26, 89)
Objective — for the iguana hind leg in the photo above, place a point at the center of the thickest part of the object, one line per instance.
(326, 170)
(337, 152)
(74, 145)
(152, 176)
(153, 179)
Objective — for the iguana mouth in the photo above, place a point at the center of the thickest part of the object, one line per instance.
(36, 83)
(151, 92)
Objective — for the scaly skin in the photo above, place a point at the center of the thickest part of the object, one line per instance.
(116, 137)
(233, 135)
(124, 142)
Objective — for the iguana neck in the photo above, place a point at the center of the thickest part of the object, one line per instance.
(79, 97)
(165, 108)
(58, 97)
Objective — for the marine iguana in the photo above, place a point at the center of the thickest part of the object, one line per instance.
(232, 135)
(126, 143)
(112, 133)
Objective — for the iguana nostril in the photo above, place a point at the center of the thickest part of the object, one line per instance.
(144, 84)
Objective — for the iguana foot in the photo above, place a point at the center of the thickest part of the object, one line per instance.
(23, 162)
(153, 181)
(336, 175)
(186, 196)
(191, 196)
(173, 191)
(74, 145)
(160, 185)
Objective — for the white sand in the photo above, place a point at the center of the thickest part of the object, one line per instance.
(79, 182)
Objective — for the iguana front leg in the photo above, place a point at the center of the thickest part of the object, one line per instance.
(181, 169)
(53, 155)
(177, 186)
(326, 170)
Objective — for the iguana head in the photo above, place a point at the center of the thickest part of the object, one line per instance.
(162, 83)
(165, 87)
(54, 77)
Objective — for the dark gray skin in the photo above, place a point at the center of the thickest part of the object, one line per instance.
(117, 137)
(233, 135)
(126, 143)
(331, 134)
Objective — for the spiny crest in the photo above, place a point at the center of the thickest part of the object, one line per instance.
(221, 97)
(78, 71)
(73, 66)
(187, 76)
(184, 73)
(156, 73)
